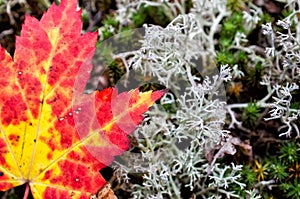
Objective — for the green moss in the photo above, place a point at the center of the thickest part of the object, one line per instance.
(251, 114)
(236, 5)
(289, 152)
(291, 190)
(278, 170)
(225, 57)
(249, 176)
(150, 15)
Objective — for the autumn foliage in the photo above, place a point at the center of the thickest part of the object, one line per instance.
(55, 146)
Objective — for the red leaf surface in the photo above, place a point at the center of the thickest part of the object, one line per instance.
(54, 145)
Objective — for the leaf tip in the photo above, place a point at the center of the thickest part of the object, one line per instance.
(156, 95)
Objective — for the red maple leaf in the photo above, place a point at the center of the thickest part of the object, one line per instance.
(47, 142)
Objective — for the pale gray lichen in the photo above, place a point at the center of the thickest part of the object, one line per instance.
(175, 147)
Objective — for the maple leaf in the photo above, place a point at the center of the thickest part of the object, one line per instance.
(53, 145)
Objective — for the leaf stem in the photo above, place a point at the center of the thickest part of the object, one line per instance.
(26, 191)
